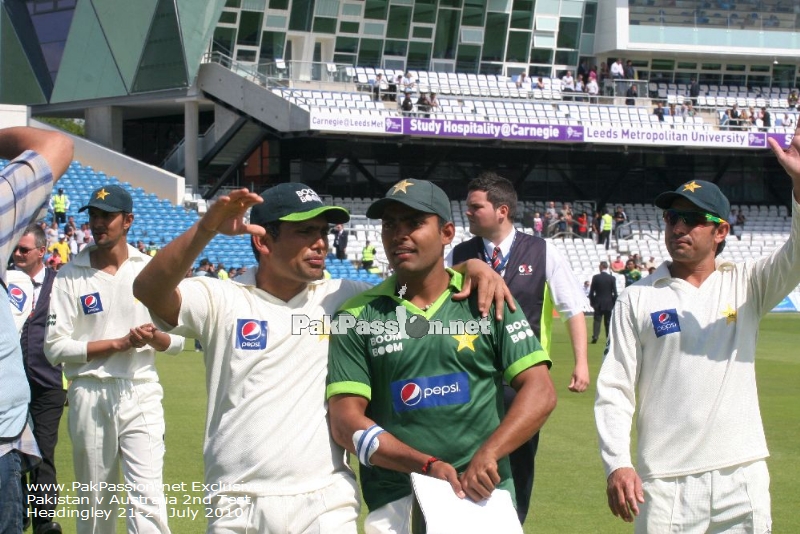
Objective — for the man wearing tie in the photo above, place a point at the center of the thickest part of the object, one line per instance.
(602, 296)
(45, 380)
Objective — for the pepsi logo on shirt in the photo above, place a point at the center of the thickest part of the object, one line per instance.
(91, 303)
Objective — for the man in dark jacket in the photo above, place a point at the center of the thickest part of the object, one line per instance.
(45, 380)
(602, 295)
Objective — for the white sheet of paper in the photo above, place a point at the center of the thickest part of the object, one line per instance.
(445, 513)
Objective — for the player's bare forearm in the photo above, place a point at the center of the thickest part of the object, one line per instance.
(533, 404)
(157, 284)
(576, 327)
(104, 348)
(347, 416)
(56, 148)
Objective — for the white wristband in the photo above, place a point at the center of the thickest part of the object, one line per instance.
(366, 443)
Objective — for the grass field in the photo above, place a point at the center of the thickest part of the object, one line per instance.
(569, 495)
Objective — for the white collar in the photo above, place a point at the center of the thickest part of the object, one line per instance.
(505, 245)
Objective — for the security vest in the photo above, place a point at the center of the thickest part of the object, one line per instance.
(60, 203)
(525, 275)
(368, 254)
(608, 222)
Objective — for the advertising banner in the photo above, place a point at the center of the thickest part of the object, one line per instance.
(617, 135)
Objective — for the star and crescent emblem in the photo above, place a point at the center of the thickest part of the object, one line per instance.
(466, 341)
(730, 314)
(692, 186)
(402, 185)
(102, 194)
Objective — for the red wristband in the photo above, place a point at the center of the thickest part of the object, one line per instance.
(427, 467)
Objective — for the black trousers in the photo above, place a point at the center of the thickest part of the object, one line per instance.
(605, 238)
(606, 316)
(522, 464)
(46, 407)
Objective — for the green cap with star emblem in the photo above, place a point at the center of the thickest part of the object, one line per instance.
(420, 195)
(705, 195)
(110, 198)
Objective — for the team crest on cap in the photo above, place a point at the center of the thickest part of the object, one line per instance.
(402, 185)
(102, 194)
(251, 334)
(308, 195)
(17, 297)
(692, 186)
(91, 303)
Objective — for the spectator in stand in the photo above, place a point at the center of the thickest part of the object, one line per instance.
(152, 249)
(766, 118)
(538, 224)
(659, 111)
(566, 218)
(523, 81)
(51, 233)
(593, 73)
(407, 82)
(735, 116)
(604, 73)
(617, 70)
(231, 273)
(620, 218)
(423, 105)
(434, 103)
(732, 222)
(745, 120)
(694, 91)
(140, 247)
(631, 272)
(592, 89)
(376, 86)
(725, 120)
(583, 71)
(788, 121)
(629, 71)
(407, 106)
(597, 223)
(583, 224)
(792, 99)
(222, 272)
(70, 224)
(391, 91)
(540, 83)
(651, 263)
(550, 216)
(568, 83)
(632, 94)
(579, 87)
(61, 248)
(617, 265)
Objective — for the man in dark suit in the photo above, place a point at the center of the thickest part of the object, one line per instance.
(45, 380)
(340, 241)
(602, 295)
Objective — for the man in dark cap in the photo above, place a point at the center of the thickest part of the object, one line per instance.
(377, 410)
(266, 355)
(107, 342)
(681, 354)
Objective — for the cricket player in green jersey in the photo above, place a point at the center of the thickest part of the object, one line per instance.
(415, 378)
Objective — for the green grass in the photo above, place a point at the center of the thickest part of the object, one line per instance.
(569, 494)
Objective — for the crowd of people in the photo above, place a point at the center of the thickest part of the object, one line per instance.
(283, 405)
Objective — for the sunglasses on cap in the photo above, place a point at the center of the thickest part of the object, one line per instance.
(689, 218)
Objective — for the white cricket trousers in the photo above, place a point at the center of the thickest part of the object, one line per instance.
(329, 510)
(113, 424)
(391, 518)
(734, 500)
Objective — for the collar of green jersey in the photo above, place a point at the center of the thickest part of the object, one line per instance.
(388, 288)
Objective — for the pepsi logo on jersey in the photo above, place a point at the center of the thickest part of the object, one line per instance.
(665, 322)
(430, 391)
(91, 303)
(251, 334)
(17, 296)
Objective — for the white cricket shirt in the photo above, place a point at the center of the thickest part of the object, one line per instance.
(87, 304)
(266, 422)
(689, 354)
